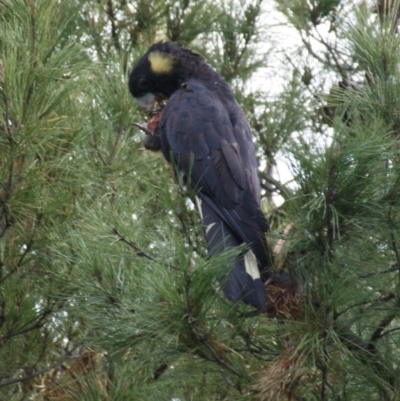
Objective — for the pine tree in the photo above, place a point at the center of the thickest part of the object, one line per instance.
(106, 288)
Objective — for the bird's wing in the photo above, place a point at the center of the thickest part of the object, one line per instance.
(212, 148)
(201, 138)
(204, 141)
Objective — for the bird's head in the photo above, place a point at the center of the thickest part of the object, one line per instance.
(160, 72)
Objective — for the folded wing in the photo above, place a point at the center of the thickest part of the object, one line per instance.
(210, 142)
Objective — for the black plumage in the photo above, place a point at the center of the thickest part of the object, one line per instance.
(205, 131)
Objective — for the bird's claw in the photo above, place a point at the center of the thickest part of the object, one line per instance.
(146, 130)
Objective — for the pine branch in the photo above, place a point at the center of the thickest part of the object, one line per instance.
(392, 269)
(98, 150)
(133, 245)
(27, 249)
(118, 138)
(333, 53)
(6, 127)
(8, 190)
(160, 370)
(356, 344)
(384, 299)
(67, 356)
(138, 251)
(368, 349)
(37, 325)
(389, 331)
(114, 34)
(377, 334)
(394, 247)
(283, 189)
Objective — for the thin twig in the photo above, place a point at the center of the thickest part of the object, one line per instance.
(282, 188)
(133, 245)
(357, 344)
(226, 378)
(332, 52)
(114, 35)
(146, 130)
(98, 150)
(27, 249)
(394, 244)
(377, 334)
(385, 298)
(390, 331)
(6, 127)
(67, 356)
(116, 142)
(392, 269)
(8, 382)
(221, 361)
(184, 229)
(41, 321)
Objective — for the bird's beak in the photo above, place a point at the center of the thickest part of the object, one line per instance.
(151, 103)
(147, 101)
(161, 100)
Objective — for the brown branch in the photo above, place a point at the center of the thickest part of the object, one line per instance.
(219, 360)
(7, 382)
(133, 245)
(393, 239)
(227, 379)
(9, 180)
(27, 249)
(40, 322)
(390, 331)
(67, 356)
(308, 46)
(356, 344)
(31, 239)
(146, 130)
(34, 52)
(377, 334)
(160, 370)
(184, 228)
(202, 339)
(331, 51)
(98, 150)
(3, 201)
(324, 370)
(392, 269)
(394, 245)
(139, 251)
(111, 14)
(2, 308)
(386, 298)
(247, 38)
(282, 188)
(8, 130)
(120, 134)
(6, 127)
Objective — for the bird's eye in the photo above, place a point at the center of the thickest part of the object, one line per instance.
(142, 83)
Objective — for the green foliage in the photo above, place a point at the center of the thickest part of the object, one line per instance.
(305, 13)
(106, 287)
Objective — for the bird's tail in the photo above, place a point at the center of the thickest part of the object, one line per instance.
(242, 281)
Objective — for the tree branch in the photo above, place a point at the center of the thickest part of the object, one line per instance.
(67, 356)
(133, 245)
(111, 14)
(26, 250)
(392, 269)
(356, 344)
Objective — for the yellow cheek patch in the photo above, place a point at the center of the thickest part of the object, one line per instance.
(160, 63)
